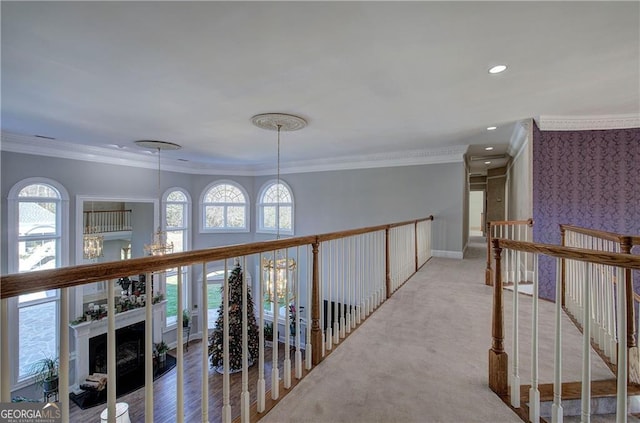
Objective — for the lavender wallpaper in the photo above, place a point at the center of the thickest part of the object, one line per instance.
(584, 178)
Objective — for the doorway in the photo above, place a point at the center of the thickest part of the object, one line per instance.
(476, 213)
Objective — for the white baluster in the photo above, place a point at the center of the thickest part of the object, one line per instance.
(111, 350)
(297, 301)
(534, 393)
(621, 397)
(515, 376)
(309, 282)
(245, 402)
(261, 386)
(179, 351)
(148, 358)
(275, 371)
(5, 367)
(349, 285)
(556, 408)
(226, 403)
(586, 347)
(204, 322)
(286, 365)
(63, 381)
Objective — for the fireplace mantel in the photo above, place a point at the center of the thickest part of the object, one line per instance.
(84, 331)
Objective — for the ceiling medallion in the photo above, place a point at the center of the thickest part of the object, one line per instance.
(273, 121)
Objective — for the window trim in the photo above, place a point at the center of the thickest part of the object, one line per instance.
(13, 265)
(226, 229)
(186, 247)
(260, 209)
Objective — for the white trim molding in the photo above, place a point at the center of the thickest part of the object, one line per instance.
(588, 123)
(137, 157)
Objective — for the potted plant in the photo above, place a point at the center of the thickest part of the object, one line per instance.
(161, 352)
(45, 373)
(186, 318)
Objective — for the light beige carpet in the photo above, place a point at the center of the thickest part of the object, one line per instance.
(421, 357)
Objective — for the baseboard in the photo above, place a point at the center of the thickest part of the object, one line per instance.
(447, 254)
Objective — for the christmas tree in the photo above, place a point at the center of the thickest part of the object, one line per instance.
(216, 346)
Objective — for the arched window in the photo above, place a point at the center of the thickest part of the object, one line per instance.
(225, 208)
(275, 208)
(177, 211)
(38, 238)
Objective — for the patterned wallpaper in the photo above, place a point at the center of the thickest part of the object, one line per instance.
(584, 178)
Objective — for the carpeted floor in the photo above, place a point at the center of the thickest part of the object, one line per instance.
(422, 356)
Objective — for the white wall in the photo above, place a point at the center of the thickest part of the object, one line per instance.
(520, 175)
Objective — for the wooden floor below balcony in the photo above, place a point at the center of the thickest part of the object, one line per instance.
(164, 391)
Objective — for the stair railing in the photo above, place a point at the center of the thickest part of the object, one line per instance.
(603, 323)
(103, 221)
(517, 230)
(338, 280)
(501, 380)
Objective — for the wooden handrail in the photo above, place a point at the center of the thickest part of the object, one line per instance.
(596, 233)
(510, 222)
(66, 277)
(628, 261)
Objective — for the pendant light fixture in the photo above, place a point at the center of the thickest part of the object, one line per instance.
(92, 242)
(279, 271)
(159, 245)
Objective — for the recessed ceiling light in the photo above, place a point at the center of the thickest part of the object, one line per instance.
(488, 148)
(498, 69)
(492, 128)
(487, 162)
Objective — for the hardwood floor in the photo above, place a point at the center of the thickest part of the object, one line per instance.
(164, 391)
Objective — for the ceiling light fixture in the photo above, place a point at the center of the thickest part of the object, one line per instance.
(159, 244)
(92, 243)
(488, 148)
(280, 270)
(498, 69)
(487, 162)
(492, 128)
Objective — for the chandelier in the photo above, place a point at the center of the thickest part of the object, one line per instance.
(159, 245)
(92, 243)
(279, 277)
(279, 271)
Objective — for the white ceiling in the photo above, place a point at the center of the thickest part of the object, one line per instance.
(373, 79)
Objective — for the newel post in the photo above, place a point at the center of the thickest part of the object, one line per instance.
(563, 266)
(387, 259)
(316, 332)
(632, 349)
(488, 276)
(498, 360)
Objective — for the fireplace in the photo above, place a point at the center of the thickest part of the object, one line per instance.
(94, 333)
(129, 354)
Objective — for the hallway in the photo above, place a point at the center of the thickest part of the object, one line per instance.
(422, 356)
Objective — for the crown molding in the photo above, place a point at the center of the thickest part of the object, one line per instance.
(144, 159)
(588, 123)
